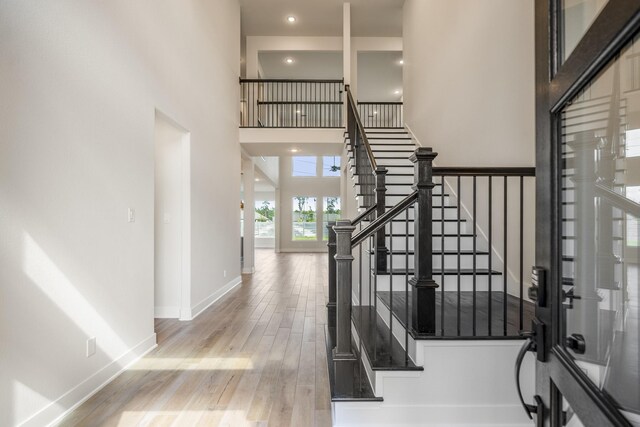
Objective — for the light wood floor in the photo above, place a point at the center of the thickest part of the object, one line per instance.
(257, 357)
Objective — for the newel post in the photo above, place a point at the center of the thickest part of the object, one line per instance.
(381, 189)
(344, 260)
(423, 302)
(331, 305)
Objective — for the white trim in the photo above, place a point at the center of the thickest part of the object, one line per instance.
(205, 303)
(185, 288)
(413, 135)
(51, 414)
(166, 312)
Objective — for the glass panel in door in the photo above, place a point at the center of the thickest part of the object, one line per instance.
(600, 140)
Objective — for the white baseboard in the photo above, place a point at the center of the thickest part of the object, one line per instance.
(165, 312)
(205, 303)
(53, 413)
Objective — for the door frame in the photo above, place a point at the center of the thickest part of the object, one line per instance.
(556, 84)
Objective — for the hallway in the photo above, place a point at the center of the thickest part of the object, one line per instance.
(256, 357)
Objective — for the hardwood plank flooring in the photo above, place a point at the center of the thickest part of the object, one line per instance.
(254, 358)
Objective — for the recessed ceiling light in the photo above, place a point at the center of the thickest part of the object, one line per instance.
(291, 19)
(294, 150)
(288, 60)
(257, 179)
(397, 92)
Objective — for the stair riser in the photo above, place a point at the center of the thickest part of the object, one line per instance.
(450, 261)
(449, 227)
(450, 283)
(391, 179)
(392, 200)
(436, 212)
(450, 243)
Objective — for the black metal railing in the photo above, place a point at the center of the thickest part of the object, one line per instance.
(371, 179)
(381, 114)
(441, 279)
(486, 287)
(278, 103)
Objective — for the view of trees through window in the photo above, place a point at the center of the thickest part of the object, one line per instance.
(331, 212)
(304, 218)
(265, 214)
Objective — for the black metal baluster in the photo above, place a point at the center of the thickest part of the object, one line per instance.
(442, 254)
(473, 232)
(458, 253)
(521, 318)
(406, 286)
(505, 266)
(490, 276)
(390, 286)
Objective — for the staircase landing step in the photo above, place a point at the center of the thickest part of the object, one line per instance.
(463, 329)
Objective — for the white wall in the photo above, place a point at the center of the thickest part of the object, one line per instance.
(80, 84)
(469, 83)
(256, 44)
(291, 186)
(469, 94)
(171, 143)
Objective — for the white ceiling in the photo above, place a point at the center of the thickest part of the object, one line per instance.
(379, 76)
(381, 18)
(306, 65)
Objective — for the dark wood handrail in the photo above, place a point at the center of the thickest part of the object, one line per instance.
(383, 219)
(351, 104)
(291, 80)
(618, 200)
(483, 171)
(364, 214)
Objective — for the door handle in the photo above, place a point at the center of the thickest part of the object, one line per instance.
(538, 407)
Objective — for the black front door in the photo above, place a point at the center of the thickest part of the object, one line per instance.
(588, 213)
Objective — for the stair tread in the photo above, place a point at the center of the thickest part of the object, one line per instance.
(436, 252)
(447, 272)
(450, 327)
(383, 350)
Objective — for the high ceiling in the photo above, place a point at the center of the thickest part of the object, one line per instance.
(382, 18)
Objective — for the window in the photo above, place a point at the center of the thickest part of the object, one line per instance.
(331, 212)
(633, 223)
(632, 143)
(303, 166)
(331, 166)
(304, 218)
(265, 213)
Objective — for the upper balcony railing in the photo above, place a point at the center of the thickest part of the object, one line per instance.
(382, 115)
(271, 103)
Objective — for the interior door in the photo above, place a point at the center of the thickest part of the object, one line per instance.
(586, 281)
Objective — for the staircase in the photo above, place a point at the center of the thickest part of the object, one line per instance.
(419, 357)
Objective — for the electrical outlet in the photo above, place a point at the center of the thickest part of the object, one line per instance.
(91, 346)
(131, 215)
